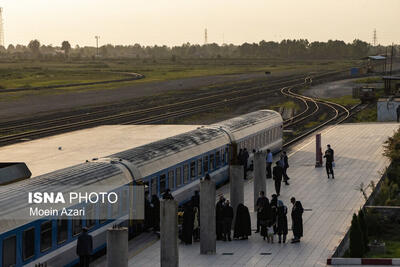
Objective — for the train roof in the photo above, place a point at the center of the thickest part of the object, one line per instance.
(172, 150)
(87, 176)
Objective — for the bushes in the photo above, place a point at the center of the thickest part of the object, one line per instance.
(363, 228)
(356, 239)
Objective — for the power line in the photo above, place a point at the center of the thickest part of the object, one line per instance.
(374, 38)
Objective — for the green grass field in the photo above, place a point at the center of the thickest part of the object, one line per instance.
(39, 73)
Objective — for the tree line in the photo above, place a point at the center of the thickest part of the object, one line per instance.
(286, 49)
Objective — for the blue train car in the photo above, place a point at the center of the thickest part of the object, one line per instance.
(177, 163)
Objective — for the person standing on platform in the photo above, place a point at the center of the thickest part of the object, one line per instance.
(297, 220)
(285, 166)
(282, 225)
(168, 195)
(398, 113)
(227, 213)
(188, 224)
(84, 248)
(196, 225)
(147, 211)
(274, 209)
(155, 213)
(219, 217)
(245, 161)
(242, 227)
(329, 156)
(269, 163)
(262, 200)
(265, 219)
(277, 174)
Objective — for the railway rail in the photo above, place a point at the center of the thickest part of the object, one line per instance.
(15, 132)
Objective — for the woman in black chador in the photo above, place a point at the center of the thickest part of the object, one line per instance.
(265, 218)
(188, 224)
(155, 212)
(282, 226)
(242, 227)
(297, 220)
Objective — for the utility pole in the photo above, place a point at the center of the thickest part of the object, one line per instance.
(391, 60)
(205, 36)
(97, 44)
(384, 69)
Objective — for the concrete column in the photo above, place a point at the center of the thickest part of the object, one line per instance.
(117, 247)
(236, 187)
(169, 255)
(208, 233)
(259, 181)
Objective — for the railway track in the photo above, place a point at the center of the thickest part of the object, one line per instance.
(12, 133)
(19, 131)
(341, 113)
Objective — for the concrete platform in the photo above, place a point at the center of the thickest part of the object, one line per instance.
(358, 156)
(43, 156)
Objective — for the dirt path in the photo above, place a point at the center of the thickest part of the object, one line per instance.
(36, 104)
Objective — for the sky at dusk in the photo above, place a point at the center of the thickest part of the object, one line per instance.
(173, 22)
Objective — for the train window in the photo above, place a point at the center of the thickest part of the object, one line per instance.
(125, 200)
(205, 164)
(193, 170)
(222, 156)
(178, 177)
(154, 189)
(217, 159)
(28, 243)
(163, 183)
(62, 230)
(10, 251)
(266, 137)
(226, 155)
(46, 236)
(199, 167)
(103, 212)
(76, 226)
(90, 216)
(171, 179)
(212, 162)
(185, 173)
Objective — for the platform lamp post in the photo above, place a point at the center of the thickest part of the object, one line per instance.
(318, 151)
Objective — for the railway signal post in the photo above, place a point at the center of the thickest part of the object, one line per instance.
(259, 176)
(318, 151)
(208, 242)
(169, 256)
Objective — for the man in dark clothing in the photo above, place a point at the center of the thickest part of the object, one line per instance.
(269, 163)
(242, 227)
(227, 214)
(245, 160)
(219, 217)
(147, 211)
(188, 224)
(155, 212)
(297, 220)
(285, 167)
(329, 156)
(277, 174)
(168, 195)
(84, 248)
(262, 201)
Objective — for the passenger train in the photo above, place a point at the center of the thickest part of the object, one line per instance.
(177, 163)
